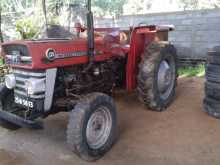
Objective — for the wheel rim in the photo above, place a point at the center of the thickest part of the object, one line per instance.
(99, 128)
(166, 78)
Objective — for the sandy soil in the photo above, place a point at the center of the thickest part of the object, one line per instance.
(182, 135)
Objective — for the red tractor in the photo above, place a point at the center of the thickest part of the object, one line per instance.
(76, 69)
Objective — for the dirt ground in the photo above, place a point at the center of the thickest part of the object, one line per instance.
(182, 135)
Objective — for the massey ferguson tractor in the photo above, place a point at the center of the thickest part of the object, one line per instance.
(74, 67)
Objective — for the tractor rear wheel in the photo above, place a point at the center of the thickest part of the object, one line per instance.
(92, 128)
(157, 76)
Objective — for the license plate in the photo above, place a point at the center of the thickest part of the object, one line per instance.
(24, 102)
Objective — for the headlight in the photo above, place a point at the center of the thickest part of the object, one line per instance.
(35, 86)
(10, 81)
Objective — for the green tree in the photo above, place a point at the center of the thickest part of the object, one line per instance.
(189, 4)
(108, 7)
(100, 7)
(139, 7)
(26, 27)
(17, 5)
(210, 3)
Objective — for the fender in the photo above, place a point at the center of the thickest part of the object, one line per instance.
(140, 38)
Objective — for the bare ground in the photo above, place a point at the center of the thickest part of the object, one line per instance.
(182, 135)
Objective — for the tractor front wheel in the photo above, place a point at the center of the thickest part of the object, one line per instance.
(92, 128)
(157, 76)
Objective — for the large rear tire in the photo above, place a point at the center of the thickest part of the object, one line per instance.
(92, 128)
(157, 76)
(212, 107)
(212, 84)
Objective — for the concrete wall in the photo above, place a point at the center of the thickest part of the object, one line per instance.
(196, 31)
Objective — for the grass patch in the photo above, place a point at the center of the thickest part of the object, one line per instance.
(198, 71)
(1, 62)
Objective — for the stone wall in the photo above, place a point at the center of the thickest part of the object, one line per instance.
(196, 31)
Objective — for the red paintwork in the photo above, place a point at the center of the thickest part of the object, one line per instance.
(139, 39)
(107, 46)
(38, 49)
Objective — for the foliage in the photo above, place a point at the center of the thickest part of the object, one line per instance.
(13, 10)
(1, 62)
(26, 28)
(109, 7)
(17, 5)
(215, 3)
(198, 4)
(189, 4)
(139, 7)
(100, 7)
(198, 71)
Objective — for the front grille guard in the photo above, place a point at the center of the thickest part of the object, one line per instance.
(22, 76)
(17, 120)
(14, 118)
(50, 76)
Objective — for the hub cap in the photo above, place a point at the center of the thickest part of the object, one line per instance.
(99, 128)
(166, 78)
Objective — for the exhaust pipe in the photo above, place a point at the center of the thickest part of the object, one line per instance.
(90, 34)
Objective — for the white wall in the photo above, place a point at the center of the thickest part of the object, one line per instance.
(196, 31)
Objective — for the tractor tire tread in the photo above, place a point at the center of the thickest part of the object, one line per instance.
(146, 76)
(75, 139)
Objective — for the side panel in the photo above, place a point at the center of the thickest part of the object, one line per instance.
(140, 38)
(67, 53)
(50, 84)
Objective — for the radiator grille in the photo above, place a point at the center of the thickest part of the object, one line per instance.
(22, 76)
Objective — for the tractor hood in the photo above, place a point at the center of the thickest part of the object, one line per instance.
(44, 54)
